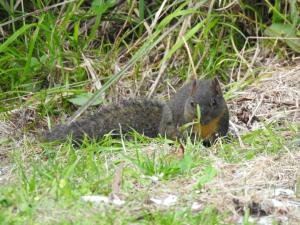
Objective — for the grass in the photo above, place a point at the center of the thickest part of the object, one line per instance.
(50, 180)
(45, 79)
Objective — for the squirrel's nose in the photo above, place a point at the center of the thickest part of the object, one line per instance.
(204, 121)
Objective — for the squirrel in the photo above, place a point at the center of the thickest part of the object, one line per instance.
(153, 118)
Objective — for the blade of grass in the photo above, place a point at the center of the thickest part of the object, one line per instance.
(14, 36)
(32, 45)
(180, 42)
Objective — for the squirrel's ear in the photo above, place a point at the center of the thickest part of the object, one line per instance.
(216, 86)
(194, 87)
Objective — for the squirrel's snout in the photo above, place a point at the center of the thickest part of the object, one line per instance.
(204, 121)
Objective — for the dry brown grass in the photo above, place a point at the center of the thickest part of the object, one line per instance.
(273, 97)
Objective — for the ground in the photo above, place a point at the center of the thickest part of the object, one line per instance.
(253, 179)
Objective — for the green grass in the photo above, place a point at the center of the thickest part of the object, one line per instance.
(50, 180)
(42, 69)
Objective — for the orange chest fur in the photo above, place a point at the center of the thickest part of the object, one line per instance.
(206, 131)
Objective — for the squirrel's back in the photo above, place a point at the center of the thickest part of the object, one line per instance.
(142, 116)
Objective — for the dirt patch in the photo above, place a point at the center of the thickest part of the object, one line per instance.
(265, 186)
(275, 97)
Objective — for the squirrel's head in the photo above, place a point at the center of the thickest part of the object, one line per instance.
(207, 94)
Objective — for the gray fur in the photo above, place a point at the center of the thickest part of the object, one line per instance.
(142, 116)
(150, 117)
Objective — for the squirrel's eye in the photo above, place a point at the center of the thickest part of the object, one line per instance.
(213, 102)
(193, 104)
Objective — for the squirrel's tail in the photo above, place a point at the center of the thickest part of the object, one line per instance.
(142, 116)
(76, 130)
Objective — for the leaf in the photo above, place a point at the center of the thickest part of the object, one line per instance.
(34, 62)
(4, 140)
(198, 113)
(43, 58)
(277, 16)
(294, 12)
(285, 31)
(83, 98)
(101, 6)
